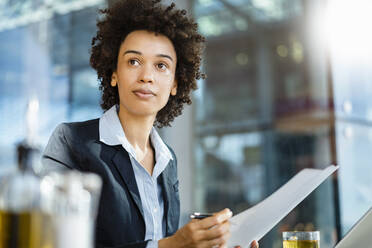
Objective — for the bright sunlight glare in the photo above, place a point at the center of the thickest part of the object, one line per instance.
(347, 28)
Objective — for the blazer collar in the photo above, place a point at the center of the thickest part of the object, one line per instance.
(111, 133)
(169, 189)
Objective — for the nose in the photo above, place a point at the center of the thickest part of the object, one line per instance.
(146, 75)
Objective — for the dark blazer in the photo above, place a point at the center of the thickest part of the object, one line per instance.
(120, 221)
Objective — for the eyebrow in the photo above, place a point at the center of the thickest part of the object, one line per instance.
(139, 53)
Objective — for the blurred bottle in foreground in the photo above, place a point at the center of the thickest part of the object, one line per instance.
(74, 209)
(25, 220)
(57, 210)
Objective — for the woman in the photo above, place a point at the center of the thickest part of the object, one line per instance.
(147, 57)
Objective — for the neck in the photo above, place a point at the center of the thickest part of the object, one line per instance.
(137, 129)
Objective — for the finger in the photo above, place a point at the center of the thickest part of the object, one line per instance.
(194, 221)
(216, 219)
(218, 241)
(254, 244)
(217, 232)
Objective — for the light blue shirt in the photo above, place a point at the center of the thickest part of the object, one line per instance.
(149, 187)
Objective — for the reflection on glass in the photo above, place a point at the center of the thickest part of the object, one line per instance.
(263, 113)
(217, 18)
(46, 56)
(351, 57)
(354, 142)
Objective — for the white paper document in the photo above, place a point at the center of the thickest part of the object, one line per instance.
(255, 222)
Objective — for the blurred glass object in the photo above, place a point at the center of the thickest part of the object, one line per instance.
(301, 239)
(25, 216)
(74, 209)
(57, 210)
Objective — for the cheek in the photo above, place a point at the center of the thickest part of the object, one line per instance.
(166, 89)
(125, 79)
(166, 80)
(124, 92)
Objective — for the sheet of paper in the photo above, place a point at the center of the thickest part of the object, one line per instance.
(255, 222)
(360, 234)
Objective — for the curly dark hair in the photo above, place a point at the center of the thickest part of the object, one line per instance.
(126, 16)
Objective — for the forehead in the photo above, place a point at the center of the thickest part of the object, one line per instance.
(148, 43)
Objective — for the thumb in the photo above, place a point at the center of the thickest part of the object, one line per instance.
(254, 244)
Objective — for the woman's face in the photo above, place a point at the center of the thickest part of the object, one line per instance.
(145, 73)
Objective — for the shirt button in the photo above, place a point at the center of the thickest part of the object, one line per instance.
(155, 210)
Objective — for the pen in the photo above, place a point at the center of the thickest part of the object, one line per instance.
(200, 216)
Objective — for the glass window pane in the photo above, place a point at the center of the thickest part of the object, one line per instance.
(45, 53)
(264, 113)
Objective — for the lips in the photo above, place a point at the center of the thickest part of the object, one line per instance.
(144, 93)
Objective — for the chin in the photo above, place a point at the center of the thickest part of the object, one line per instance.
(142, 108)
(141, 111)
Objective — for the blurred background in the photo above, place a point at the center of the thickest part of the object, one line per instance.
(289, 87)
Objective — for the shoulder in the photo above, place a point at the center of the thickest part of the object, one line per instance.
(85, 126)
(73, 135)
(74, 131)
(172, 170)
(65, 146)
(173, 154)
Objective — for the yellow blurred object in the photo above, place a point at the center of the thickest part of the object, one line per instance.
(301, 244)
(25, 230)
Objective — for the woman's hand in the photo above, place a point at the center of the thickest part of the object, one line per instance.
(254, 244)
(210, 232)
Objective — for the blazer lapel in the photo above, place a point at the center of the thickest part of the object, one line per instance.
(122, 163)
(168, 191)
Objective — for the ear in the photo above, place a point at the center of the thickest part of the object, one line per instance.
(114, 79)
(174, 88)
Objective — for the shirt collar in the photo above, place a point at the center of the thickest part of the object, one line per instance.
(111, 133)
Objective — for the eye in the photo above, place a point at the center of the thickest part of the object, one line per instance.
(133, 62)
(161, 66)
